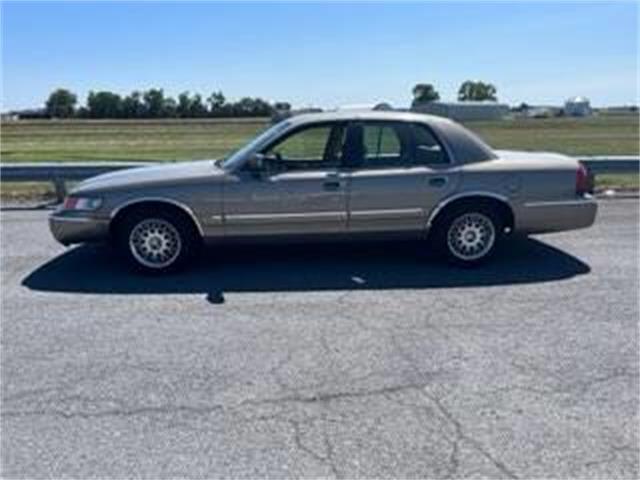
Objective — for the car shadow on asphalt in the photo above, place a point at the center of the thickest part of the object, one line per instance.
(300, 268)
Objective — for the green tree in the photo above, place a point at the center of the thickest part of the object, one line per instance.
(170, 107)
(476, 91)
(216, 103)
(82, 112)
(184, 105)
(132, 106)
(104, 105)
(197, 109)
(61, 103)
(424, 92)
(252, 107)
(154, 103)
(191, 106)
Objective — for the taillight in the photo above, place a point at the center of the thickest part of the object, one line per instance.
(584, 183)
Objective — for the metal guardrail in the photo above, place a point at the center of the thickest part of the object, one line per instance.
(612, 164)
(59, 173)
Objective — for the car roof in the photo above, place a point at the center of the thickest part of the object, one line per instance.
(337, 115)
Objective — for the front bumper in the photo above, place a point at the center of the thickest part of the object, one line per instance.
(68, 229)
(556, 216)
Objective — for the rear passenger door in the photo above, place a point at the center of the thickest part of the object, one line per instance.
(398, 171)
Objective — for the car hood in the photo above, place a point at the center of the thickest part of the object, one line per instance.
(173, 174)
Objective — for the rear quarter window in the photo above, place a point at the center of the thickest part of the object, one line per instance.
(465, 146)
(428, 150)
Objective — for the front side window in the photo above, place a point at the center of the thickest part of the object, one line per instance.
(239, 155)
(310, 147)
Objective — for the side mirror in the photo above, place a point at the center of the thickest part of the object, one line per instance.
(256, 164)
(261, 165)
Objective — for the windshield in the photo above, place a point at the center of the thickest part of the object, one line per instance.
(265, 136)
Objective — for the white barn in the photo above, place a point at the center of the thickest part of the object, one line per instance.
(380, 106)
(463, 111)
(577, 107)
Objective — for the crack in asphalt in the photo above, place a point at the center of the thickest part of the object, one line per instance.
(320, 398)
(460, 434)
(326, 459)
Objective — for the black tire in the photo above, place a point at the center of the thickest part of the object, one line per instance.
(179, 242)
(459, 234)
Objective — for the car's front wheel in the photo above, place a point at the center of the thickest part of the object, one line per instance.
(157, 242)
(468, 236)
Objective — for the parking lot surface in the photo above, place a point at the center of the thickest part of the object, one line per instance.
(323, 361)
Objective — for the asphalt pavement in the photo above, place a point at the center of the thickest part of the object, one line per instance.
(323, 360)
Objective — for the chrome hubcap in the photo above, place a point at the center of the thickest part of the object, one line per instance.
(155, 243)
(471, 236)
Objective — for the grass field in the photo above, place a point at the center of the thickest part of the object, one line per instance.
(175, 140)
(162, 140)
(601, 135)
(172, 140)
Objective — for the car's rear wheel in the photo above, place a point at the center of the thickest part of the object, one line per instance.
(156, 241)
(468, 235)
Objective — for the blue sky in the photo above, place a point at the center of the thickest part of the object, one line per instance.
(321, 54)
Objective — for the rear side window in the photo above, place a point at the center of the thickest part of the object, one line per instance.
(381, 140)
(383, 145)
(427, 149)
(380, 144)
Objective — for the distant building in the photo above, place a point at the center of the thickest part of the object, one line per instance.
(577, 107)
(380, 106)
(541, 111)
(463, 111)
(9, 116)
(30, 113)
(282, 114)
(620, 110)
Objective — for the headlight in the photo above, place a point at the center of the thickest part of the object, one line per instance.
(82, 203)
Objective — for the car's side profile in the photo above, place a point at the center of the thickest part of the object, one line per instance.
(334, 175)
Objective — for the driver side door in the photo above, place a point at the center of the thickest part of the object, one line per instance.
(299, 188)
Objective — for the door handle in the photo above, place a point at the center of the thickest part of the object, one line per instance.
(438, 181)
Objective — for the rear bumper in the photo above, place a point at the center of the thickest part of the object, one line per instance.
(75, 229)
(556, 216)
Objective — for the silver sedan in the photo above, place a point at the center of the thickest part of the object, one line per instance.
(334, 175)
